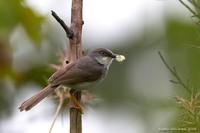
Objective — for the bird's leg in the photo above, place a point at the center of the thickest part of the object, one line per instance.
(76, 103)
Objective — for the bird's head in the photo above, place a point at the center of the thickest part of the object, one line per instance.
(105, 56)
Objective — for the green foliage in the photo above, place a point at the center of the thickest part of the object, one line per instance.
(194, 7)
(183, 38)
(191, 111)
(37, 74)
(15, 12)
(183, 42)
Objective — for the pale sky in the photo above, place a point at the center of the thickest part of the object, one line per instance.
(106, 20)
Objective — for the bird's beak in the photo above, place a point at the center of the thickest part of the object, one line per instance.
(119, 58)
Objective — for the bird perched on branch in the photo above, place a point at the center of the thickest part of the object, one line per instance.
(77, 75)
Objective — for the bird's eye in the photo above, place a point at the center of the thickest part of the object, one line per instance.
(103, 53)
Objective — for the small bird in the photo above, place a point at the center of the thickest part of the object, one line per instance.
(78, 75)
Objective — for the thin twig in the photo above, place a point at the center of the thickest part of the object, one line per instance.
(175, 74)
(192, 11)
(68, 31)
(194, 3)
(58, 110)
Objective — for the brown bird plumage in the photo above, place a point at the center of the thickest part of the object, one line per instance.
(78, 74)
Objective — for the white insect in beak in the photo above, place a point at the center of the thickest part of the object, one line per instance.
(120, 58)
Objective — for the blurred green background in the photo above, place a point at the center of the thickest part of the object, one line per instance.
(136, 97)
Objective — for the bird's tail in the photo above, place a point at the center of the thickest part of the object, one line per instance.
(31, 102)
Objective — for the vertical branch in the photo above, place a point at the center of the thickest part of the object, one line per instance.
(76, 53)
(75, 117)
(76, 26)
(74, 34)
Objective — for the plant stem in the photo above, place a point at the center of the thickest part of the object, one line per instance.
(175, 74)
(192, 11)
(75, 117)
(75, 54)
(74, 33)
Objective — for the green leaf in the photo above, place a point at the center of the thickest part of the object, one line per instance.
(15, 12)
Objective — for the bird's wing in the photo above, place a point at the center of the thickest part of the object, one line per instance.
(83, 70)
(60, 72)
